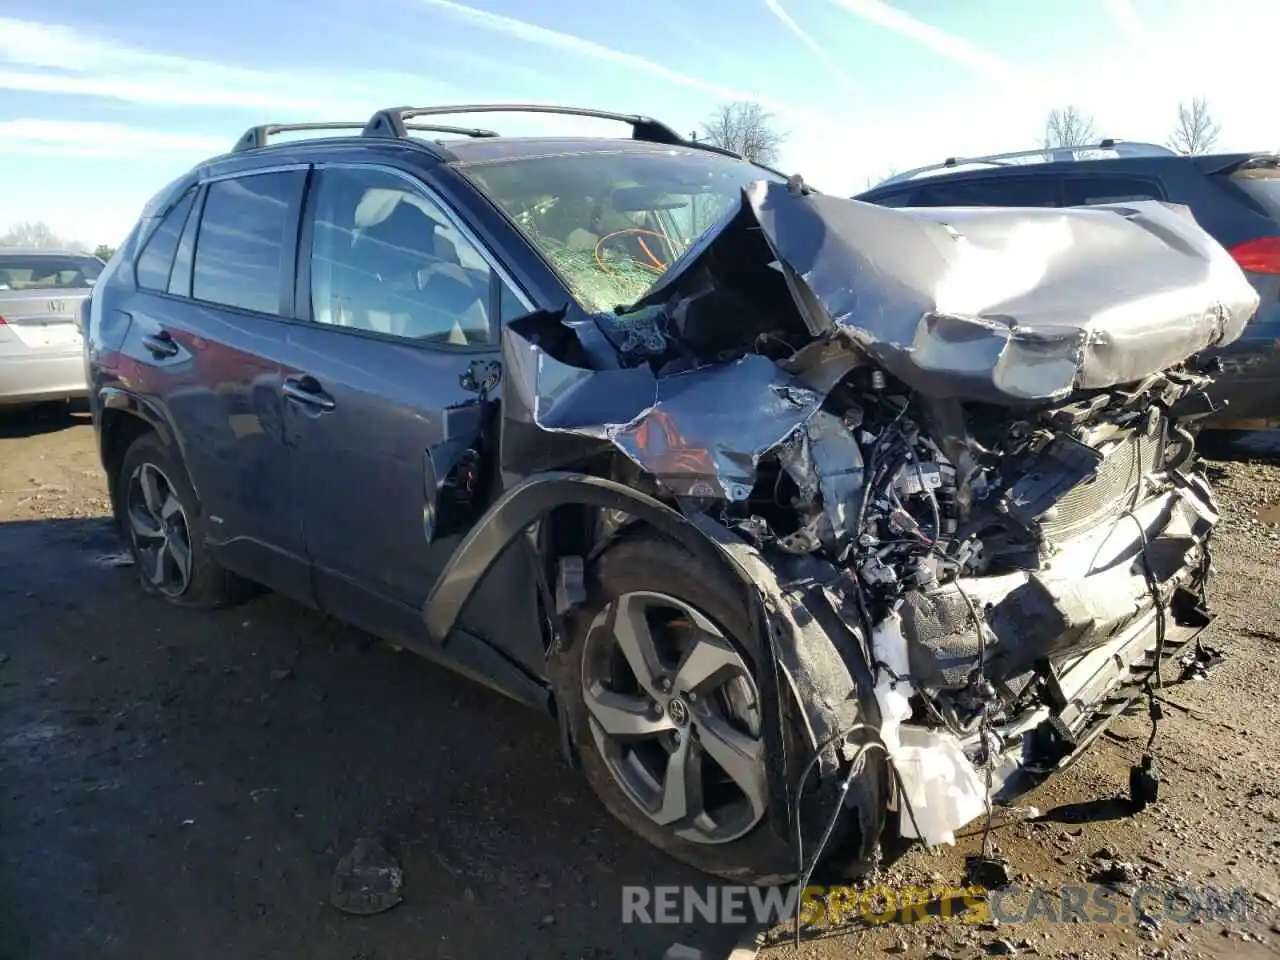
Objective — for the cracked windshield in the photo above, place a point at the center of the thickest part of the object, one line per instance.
(612, 223)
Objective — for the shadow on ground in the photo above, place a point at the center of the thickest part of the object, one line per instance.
(32, 421)
(177, 783)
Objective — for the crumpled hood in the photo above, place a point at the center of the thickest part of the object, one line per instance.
(1015, 307)
(1011, 306)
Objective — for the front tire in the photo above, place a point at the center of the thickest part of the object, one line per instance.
(159, 517)
(658, 685)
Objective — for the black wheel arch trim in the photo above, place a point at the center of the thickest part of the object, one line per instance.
(536, 496)
(529, 501)
(120, 400)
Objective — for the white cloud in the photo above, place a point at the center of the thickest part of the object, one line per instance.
(939, 41)
(776, 8)
(569, 43)
(90, 138)
(1125, 17)
(48, 58)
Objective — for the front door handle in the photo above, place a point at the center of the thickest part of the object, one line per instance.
(160, 344)
(306, 390)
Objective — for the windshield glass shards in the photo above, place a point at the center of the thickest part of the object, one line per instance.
(611, 223)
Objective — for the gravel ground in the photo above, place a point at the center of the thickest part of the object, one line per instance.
(183, 784)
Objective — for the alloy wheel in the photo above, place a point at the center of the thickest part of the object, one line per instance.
(158, 530)
(675, 715)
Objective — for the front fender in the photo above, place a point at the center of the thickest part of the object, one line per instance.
(539, 494)
(812, 656)
(529, 501)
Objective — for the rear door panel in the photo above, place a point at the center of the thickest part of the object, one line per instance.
(218, 374)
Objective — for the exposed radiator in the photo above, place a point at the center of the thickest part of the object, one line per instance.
(1070, 487)
(1111, 490)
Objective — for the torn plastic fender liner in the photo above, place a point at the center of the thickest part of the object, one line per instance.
(825, 663)
(535, 497)
(1010, 306)
(821, 676)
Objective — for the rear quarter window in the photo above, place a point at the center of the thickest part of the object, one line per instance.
(156, 259)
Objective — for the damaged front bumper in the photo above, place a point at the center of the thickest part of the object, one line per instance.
(839, 404)
(1122, 600)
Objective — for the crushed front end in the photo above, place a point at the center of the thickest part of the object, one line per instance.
(945, 446)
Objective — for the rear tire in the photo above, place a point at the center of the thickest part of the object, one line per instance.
(632, 773)
(159, 517)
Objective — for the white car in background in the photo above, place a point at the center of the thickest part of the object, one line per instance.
(40, 344)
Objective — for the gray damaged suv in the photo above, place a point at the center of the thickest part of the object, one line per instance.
(808, 519)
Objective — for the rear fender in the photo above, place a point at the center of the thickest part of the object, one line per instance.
(114, 403)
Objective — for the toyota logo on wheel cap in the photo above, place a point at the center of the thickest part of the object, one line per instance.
(678, 711)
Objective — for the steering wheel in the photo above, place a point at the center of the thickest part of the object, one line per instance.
(641, 252)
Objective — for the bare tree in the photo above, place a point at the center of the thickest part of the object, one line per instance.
(744, 127)
(31, 234)
(1068, 127)
(876, 181)
(1197, 131)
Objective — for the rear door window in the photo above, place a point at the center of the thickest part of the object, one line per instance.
(1082, 191)
(156, 259)
(989, 192)
(244, 249)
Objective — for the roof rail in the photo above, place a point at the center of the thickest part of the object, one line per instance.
(479, 132)
(391, 122)
(256, 137)
(1078, 153)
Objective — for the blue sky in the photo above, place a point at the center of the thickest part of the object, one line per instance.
(101, 104)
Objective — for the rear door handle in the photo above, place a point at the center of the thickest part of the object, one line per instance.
(306, 391)
(160, 344)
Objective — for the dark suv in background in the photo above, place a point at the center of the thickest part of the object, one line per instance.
(1235, 197)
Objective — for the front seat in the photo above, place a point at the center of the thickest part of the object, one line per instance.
(386, 255)
(449, 286)
(424, 293)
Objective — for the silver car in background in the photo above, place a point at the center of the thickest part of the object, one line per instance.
(40, 345)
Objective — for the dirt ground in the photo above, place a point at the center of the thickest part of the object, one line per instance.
(183, 784)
